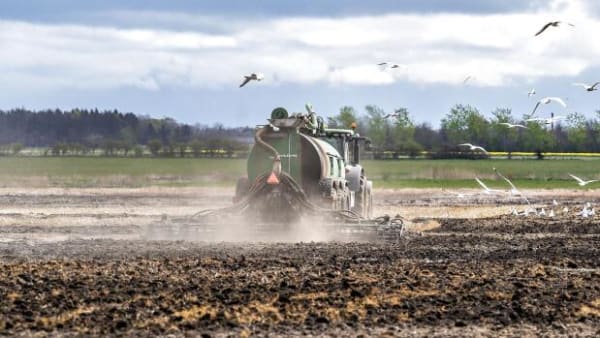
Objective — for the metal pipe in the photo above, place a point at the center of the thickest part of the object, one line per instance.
(276, 158)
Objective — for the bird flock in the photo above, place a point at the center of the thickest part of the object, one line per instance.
(543, 101)
(587, 210)
(543, 120)
(553, 210)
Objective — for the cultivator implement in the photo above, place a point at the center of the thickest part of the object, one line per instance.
(279, 211)
(227, 229)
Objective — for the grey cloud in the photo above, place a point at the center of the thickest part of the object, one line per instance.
(76, 11)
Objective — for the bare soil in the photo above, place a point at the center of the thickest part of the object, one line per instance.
(79, 261)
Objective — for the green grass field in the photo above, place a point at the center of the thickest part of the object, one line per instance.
(136, 172)
(545, 174)
(115, 172)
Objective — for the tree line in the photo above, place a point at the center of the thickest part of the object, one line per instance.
(400, 135)
(82, 132)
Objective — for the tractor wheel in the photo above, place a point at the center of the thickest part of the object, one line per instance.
(360, 199)
(329, 194)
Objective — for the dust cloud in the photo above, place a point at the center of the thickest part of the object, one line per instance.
(243, 229)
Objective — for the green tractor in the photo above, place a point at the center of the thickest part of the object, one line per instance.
(297, 163)
(298, 167)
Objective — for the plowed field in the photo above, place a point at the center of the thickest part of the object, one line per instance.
(78, 262)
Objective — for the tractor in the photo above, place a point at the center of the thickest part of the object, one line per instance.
(297, 167)
(298, 163)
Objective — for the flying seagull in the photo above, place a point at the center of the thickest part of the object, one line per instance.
(582, 182)
(469, 77)
(513, 188)
(547, 100)
(531, 92)
(473, 147)
(553, 24)
(486, 189)
(586, 86)
(384, 65)
(396, 113)
(510, 125)
(548, 120)
(253, 76)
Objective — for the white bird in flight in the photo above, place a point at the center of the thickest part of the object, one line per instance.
(547, 100)
(553, 24)
(486, 189)
(582, 182)
(586, 86)
(548, 120)
(384, 65)
(531, 92)
(510, 125)
(253, 76)
(396, 113)
(473, 147)
(513, 189)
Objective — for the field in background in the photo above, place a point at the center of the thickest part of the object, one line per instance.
(118, 172)
(139, 172)
(544, 174)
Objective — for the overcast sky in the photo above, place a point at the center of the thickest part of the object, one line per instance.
(185, 60)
